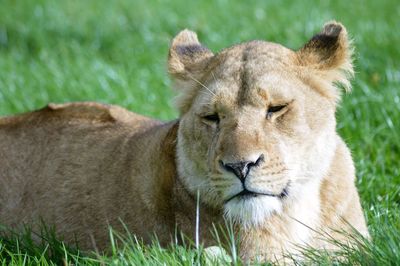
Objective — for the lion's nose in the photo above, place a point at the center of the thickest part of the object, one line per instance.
(242, 168)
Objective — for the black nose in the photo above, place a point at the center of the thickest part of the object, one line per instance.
(241, 169)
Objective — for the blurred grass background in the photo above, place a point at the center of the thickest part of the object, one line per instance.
(115, 52)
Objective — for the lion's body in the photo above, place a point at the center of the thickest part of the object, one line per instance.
(82, 167)
(260, 106)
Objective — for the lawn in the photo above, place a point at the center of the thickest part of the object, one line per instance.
(115, 52)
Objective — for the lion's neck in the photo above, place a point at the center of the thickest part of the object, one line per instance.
(294, 226)
(175, 207)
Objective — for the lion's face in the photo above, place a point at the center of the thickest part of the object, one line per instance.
(256, 131)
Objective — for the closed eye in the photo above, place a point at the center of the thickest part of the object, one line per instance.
(274, 109)
(214, 118)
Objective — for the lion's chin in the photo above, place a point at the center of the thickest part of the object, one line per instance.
(252, 211)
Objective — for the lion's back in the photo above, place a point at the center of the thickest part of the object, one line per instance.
(78, 112)
(62, 156)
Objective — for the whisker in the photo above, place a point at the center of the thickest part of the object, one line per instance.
(223, 184)
(214, 182)
(221, 188)
(216, 83)
(204, 86)
(206, 93)
(218, 178)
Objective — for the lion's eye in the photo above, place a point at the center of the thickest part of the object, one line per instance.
(274, 109)
(212, 118)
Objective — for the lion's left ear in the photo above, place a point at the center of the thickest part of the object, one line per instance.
(187, 61)
(187, 58)
(329, 54)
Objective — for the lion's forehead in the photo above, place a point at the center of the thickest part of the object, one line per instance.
(270, 87)
(253, 56)
(252, 73)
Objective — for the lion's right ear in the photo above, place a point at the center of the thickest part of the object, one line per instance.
(187, 59)
(329, 55)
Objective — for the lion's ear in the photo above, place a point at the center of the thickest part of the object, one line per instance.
(187, 58)
(329, 53)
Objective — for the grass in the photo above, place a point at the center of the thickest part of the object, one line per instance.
(115, 52)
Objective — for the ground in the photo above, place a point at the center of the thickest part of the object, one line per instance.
(115, 52)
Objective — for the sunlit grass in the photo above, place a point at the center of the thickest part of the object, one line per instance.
(115, 52)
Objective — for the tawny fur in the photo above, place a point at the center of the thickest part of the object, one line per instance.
(85, 166)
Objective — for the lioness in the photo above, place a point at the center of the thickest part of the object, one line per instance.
(255, 140)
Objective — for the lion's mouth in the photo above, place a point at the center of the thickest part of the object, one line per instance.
(245, 194)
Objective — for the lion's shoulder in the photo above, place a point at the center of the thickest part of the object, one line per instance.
(91, 112)
(81, 112)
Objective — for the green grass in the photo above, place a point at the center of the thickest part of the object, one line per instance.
(115, 52)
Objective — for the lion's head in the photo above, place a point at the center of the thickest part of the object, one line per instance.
(257, 127)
